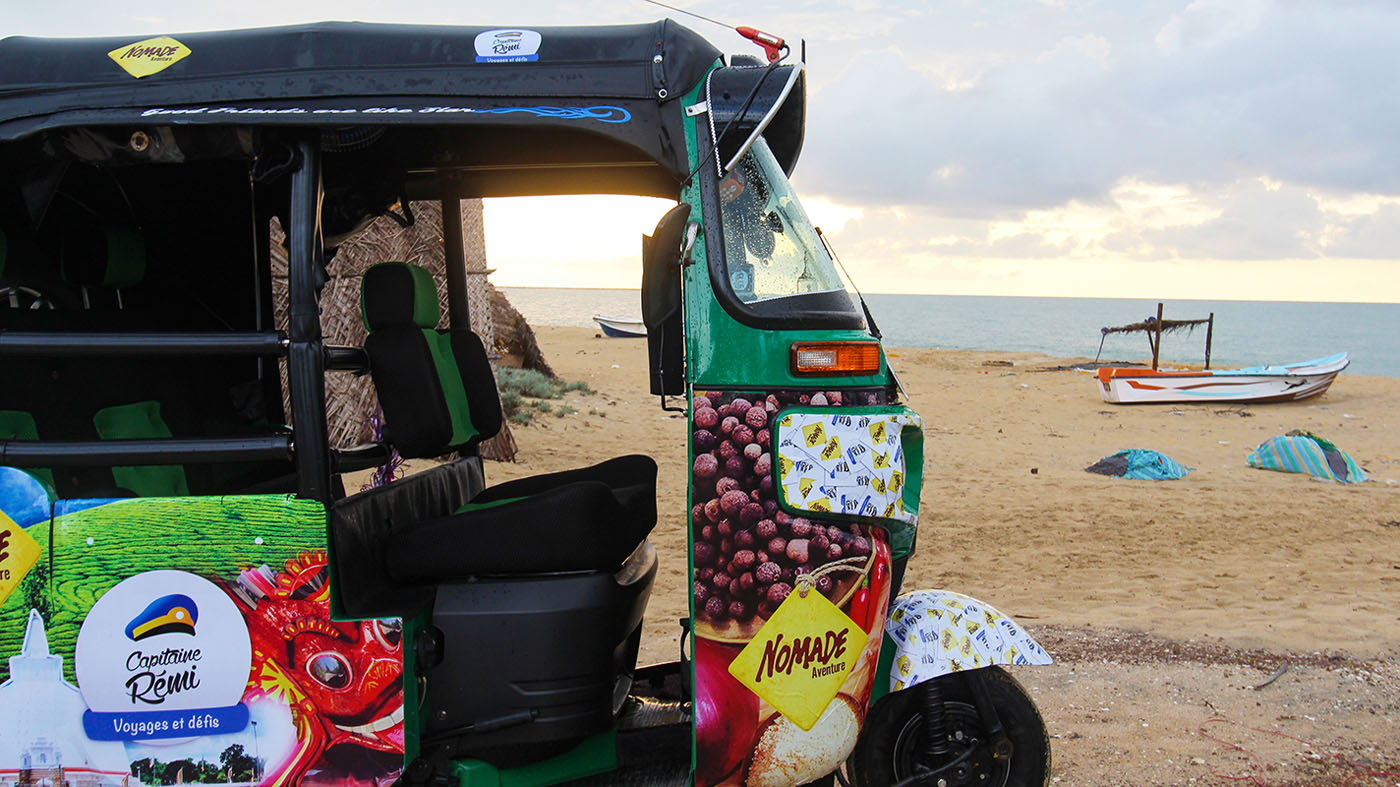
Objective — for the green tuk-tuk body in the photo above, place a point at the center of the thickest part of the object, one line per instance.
(187, 593)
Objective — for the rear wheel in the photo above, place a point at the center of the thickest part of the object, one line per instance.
(893, 746)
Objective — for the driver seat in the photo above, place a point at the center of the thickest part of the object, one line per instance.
(519, 568)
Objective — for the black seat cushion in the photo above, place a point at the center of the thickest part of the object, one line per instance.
(589, 519)
(364, 524)
(436, 387)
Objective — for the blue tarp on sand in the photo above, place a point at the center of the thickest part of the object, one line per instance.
(1303, 452)
(1139, 463)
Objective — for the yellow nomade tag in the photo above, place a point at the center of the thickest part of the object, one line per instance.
(151, 56)
(18, 553)
(799, 659)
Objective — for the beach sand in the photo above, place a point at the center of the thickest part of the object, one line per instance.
(1164, 603)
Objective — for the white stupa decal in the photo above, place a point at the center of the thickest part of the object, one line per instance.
(46, 743)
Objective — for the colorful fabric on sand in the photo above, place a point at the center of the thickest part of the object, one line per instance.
(936, 632)
(1303, 452)
(1139, 463)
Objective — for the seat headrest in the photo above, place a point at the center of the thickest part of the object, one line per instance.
(108, 256)
(397, 294)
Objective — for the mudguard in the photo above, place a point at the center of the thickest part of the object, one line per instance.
(936, 632)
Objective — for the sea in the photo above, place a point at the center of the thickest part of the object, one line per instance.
(1247, 333)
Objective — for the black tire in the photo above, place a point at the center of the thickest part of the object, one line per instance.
(892, 740)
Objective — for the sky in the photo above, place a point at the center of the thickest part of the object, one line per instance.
(1179, 149)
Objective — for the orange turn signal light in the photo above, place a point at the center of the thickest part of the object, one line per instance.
(831, 359)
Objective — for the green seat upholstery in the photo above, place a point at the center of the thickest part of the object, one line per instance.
(105, 256)
(141, 420)
(19, 425)
(436, 387)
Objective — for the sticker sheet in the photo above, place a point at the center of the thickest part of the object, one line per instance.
(185, 640)
(936, 632)
(849, 464)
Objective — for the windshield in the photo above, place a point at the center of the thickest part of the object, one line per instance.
(771, 250)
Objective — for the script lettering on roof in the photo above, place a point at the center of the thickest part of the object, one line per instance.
(151, 56)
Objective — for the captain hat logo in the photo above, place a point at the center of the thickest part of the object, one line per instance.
(173, 614)
(151, 56)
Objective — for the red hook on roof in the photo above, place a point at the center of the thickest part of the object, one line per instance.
(772, 45)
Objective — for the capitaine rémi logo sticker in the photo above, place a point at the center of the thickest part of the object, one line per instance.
(163, 654)
(508, 46)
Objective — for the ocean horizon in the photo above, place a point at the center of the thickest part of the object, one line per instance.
(1247, 333)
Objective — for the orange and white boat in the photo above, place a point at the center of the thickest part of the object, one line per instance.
(1285, 383)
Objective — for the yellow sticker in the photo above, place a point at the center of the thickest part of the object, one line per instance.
(821, 504)
(882, 460)
(814, 434)
(799, 659)
(804, 485)
(18, 553)
(877, 432)
(151, 56)
(833, 448)
(784, 466)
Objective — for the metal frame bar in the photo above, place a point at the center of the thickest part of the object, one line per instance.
(454, 254)
(155, 451)
(61, 344)
(306, 362)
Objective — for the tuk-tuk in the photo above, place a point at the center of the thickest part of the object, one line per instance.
(188, 593)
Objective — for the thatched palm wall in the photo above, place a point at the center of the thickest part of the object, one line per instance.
(351, 400)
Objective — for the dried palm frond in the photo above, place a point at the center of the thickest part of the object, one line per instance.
(351, 400)
(1168, 326)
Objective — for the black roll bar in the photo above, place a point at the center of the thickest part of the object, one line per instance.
(454, 255)
(306, 361)
(156, 451)
(91, 344)
(346, 359)
(49, 344)
(360, 457)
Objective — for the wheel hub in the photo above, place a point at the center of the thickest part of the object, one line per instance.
(972, 758)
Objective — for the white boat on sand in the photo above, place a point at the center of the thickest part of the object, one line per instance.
(620, 327)
(1285, 383)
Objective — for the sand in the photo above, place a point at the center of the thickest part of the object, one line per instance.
(1163, 602)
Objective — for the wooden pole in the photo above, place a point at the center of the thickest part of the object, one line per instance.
(1157, 346)
(1210, 330)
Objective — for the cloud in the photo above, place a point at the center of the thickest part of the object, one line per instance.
(1374, 236)
(1299, 91)
(1258, 221)
(1210, 23)
(948, 138)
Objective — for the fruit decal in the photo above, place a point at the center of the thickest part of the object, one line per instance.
(747, 552)
(342, 680)
(748, 556)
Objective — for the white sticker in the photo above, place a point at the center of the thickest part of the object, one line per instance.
(507, 46)
(164, 654)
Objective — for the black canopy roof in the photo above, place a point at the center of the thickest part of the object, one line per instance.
(613, 82)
